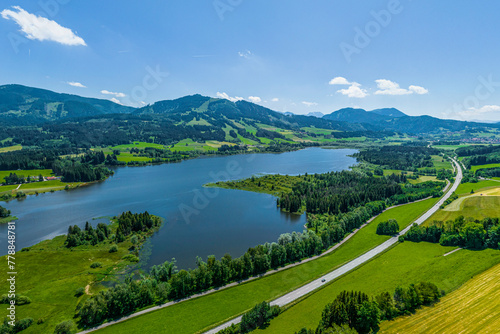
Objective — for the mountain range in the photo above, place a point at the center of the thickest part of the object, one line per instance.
(21, 105)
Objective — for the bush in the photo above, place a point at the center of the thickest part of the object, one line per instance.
(79, 292)
(389, 227)
(131, 258)
(22, 324)
(40, 321)
(65, 327)
(96, 265)
(134, 240)
(113, 249)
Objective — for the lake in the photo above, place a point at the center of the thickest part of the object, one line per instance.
(199, 221)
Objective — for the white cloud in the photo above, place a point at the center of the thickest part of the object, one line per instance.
(40, 28)
(255, 99)
(418, 90)
(76, 84)
(339, 81)
(482, 110)
(309, 104)
(107, 92)
(275, 99)
(245, 54)
(354, 90)
(388, 87)
(115, 100)
(227, 97)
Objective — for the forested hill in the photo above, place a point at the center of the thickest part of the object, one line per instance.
(206, 111)
(21, 105)
(391, 119)
(202, 117)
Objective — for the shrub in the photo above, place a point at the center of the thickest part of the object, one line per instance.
(22, 324)
(389, 227)
(113, 249)
(96, 265)
(65, 327)
(79, 292)
(131, 258)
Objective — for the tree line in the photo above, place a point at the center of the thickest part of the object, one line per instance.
(357, 311)
(462, 232)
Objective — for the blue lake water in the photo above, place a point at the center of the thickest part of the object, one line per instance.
(199, 221)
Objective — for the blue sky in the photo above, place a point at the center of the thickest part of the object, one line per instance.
(423, 57)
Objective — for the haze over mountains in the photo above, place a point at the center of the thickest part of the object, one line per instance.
(21, 105)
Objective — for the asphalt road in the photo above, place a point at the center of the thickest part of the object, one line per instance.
(310, 287)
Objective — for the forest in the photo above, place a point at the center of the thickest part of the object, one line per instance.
(399, 157)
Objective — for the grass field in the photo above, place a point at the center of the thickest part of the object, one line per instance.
(474, 308)
(128, 157)
(449, 147)
(49, 274)
(473, 169)
(440, 163)
(402, 265)
(198, 314)
(7, 189)
(190, 145)
(466, 188)
(477, 207)
(26, 173)
(11, 148)
(137, 144)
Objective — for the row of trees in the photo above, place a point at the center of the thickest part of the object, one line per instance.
(358, 311)
(258, 317)
(14, 178)
(460, 232)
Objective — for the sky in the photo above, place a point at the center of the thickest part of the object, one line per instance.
(438, 58)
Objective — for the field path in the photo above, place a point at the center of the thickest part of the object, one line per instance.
(310, 287)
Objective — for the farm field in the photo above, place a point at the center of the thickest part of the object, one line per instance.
(474, 306)
(473, 169)
(137, 144)
(482, 204)
(466, 188)
(402, 265)
(26, 173)
(10, 148)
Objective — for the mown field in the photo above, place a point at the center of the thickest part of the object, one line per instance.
(466, 188)
(198, 314)
(473, 169)
(473, 308)
(32, 173)
(402, 265)
(10, 148)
